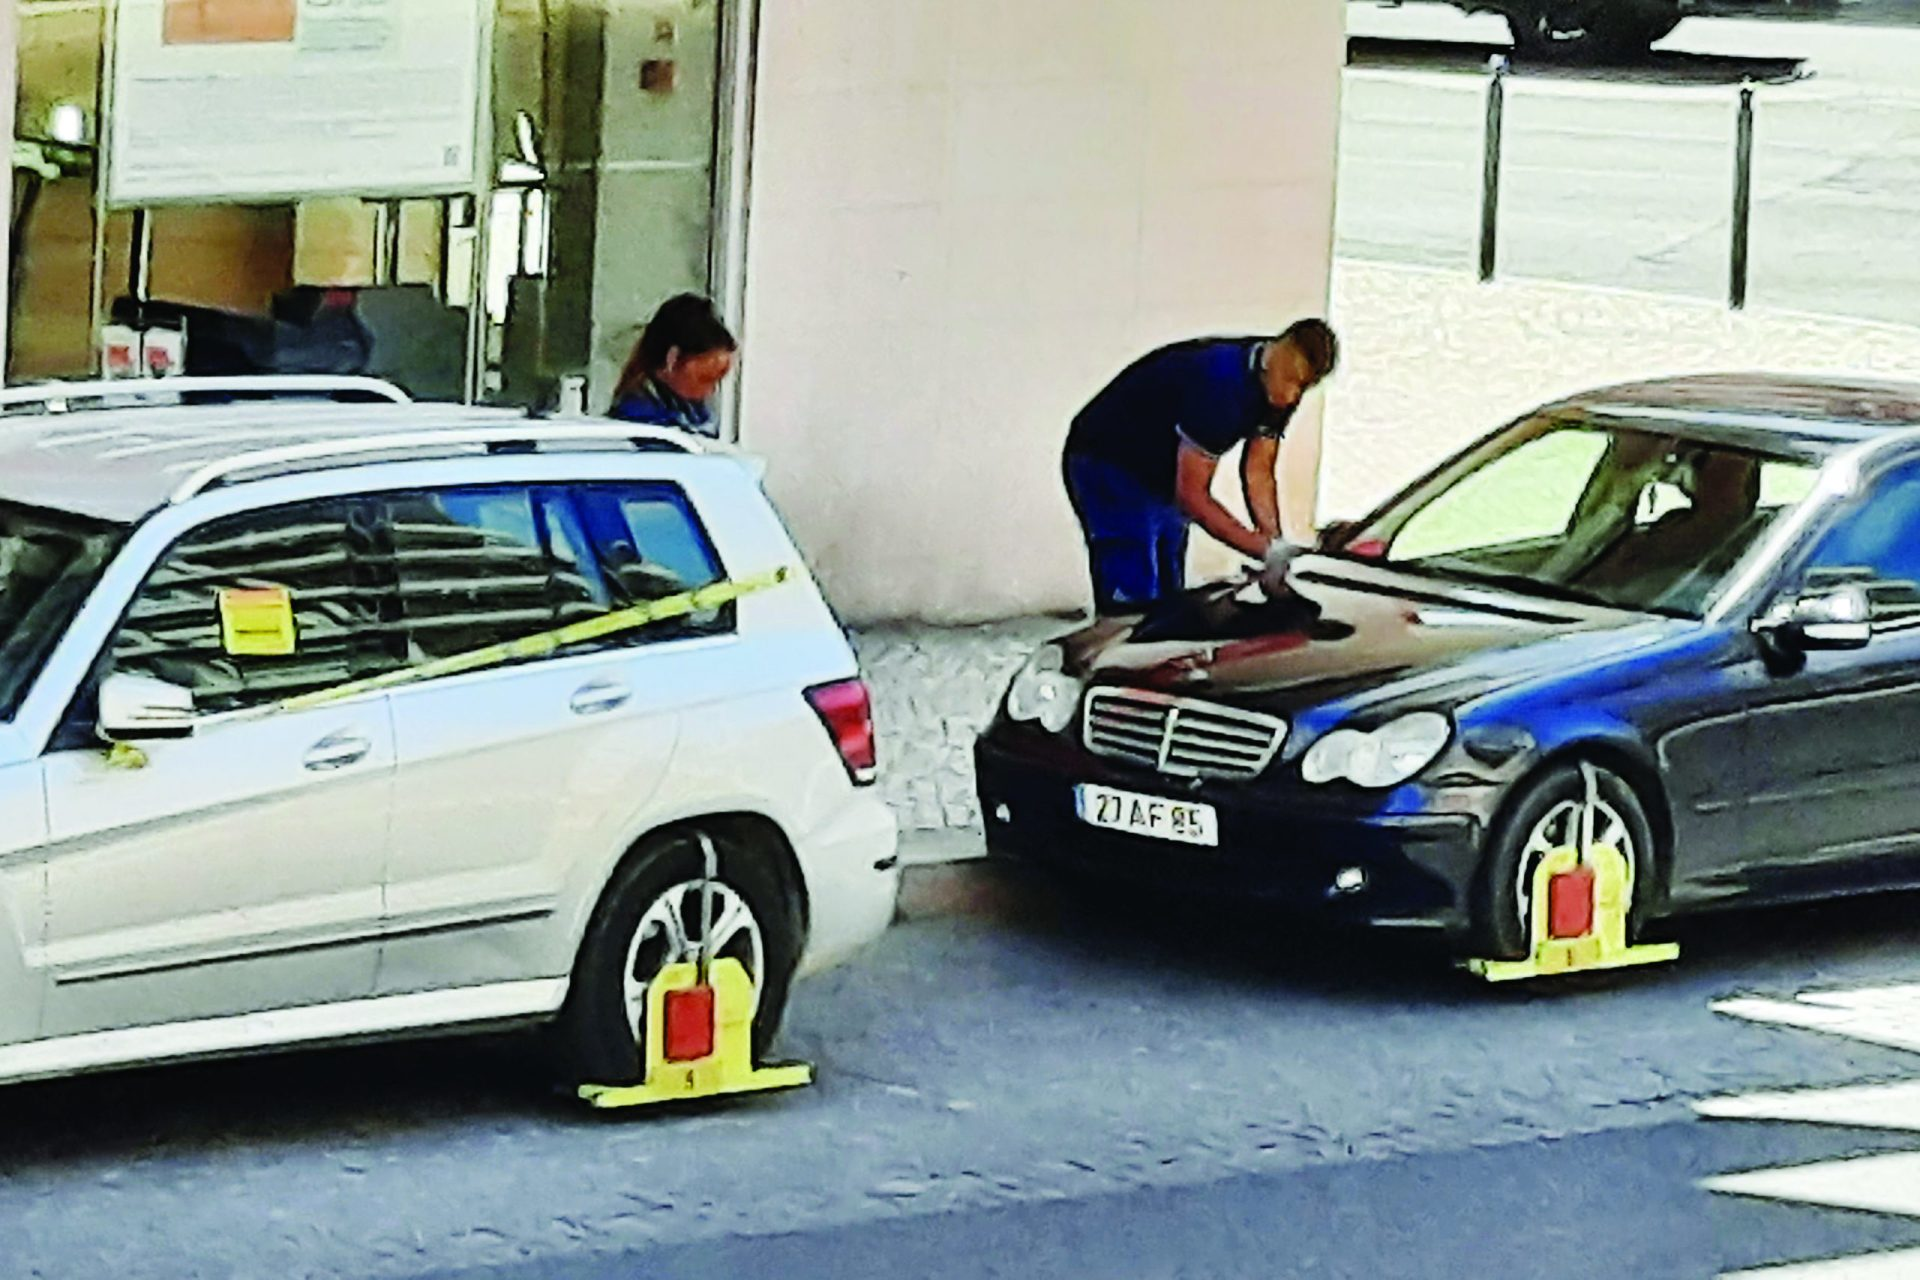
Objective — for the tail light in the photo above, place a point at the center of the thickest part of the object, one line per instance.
(847, 711)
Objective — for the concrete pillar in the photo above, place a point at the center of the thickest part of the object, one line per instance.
(633, 215)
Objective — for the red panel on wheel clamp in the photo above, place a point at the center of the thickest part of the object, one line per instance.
(1570, 903)
(689, 1018)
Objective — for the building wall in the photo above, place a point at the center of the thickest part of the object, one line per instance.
(967, 216)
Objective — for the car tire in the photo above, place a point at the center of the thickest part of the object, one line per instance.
(598, 1035)
(1500, 929)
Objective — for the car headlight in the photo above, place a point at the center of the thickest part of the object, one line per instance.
(1384, 757)
(1044, 692)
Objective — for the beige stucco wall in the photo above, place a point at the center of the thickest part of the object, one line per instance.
(967, 216)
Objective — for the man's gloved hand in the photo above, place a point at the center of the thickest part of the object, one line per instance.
(1273, 571)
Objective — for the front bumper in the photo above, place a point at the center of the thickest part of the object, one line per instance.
(1274, 848)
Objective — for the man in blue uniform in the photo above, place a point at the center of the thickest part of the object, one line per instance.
(1141, 457)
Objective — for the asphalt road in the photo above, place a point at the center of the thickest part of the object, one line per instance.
(1601, 1207)
(1623, 176)
(1016, 1082)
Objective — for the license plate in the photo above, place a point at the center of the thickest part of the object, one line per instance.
(1150, 816)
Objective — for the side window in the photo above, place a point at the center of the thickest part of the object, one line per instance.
(478, 567)
(1786, 484)
(1877, 541)
(650, 544)
(264, 606)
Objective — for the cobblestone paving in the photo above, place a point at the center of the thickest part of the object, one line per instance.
(934, 690)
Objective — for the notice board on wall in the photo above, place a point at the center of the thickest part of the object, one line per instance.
(237, 101)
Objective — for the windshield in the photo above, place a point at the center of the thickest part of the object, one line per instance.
(48, 563)
(1589, 512)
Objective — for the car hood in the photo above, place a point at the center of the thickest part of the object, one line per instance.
(1355, 634)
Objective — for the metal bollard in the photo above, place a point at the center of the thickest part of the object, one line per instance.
(1742, 201)
(1490, 174)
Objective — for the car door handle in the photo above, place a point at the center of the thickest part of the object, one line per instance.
(338, 751)
(601, 697)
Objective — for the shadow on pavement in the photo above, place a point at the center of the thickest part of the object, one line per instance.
(1658, 68)
(1817, 932)
(1216, 940)
(336, 1097)
(1237, 944)
(344, 1099)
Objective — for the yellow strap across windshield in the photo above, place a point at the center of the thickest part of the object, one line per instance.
(546, 643)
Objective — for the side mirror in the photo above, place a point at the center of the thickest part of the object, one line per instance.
(140, 708)
(1834, 618)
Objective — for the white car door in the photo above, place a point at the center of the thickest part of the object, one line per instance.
(239, 869)
(510, 776)
(49, 564)
(23, 892)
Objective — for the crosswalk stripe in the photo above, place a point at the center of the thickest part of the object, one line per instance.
(1869, 1024)
(1870, 1184)
(1884, 1184)
(1904, 1265)
(1886, 1106)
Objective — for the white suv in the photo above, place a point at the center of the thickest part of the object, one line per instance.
(199, 856)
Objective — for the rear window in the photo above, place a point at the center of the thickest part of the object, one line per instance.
(485, 566)
(652, 545)
(478, 567)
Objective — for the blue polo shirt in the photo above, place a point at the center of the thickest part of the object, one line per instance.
(1207, 393)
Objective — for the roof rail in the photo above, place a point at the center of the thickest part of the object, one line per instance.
(67, 397)
(321, 455)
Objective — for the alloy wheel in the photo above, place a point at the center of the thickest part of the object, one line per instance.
(672, 931)
(1560, 829)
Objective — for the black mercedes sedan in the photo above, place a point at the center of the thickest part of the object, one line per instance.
(1678, 618)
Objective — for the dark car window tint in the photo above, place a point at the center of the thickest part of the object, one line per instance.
(479, 567)
(651, 545)
(1877, 540)
(584, 589)
(334, 582)
(48, 564)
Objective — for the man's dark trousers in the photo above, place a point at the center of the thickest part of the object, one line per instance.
(1136, 540)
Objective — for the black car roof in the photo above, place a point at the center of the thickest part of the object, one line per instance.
(1813, 416)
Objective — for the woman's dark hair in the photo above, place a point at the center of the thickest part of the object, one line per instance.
(1316, 341)
(688, 324)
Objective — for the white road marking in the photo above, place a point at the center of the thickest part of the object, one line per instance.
(1891, 1001)
(1871, 1184)
(1896, 1029)
(1904, 1265)
(1892, 1106)
(1885, 1184)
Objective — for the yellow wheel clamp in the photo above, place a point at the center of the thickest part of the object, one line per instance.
(699, 1028)
(1579, 911)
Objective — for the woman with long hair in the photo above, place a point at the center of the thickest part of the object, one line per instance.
(682, 357)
